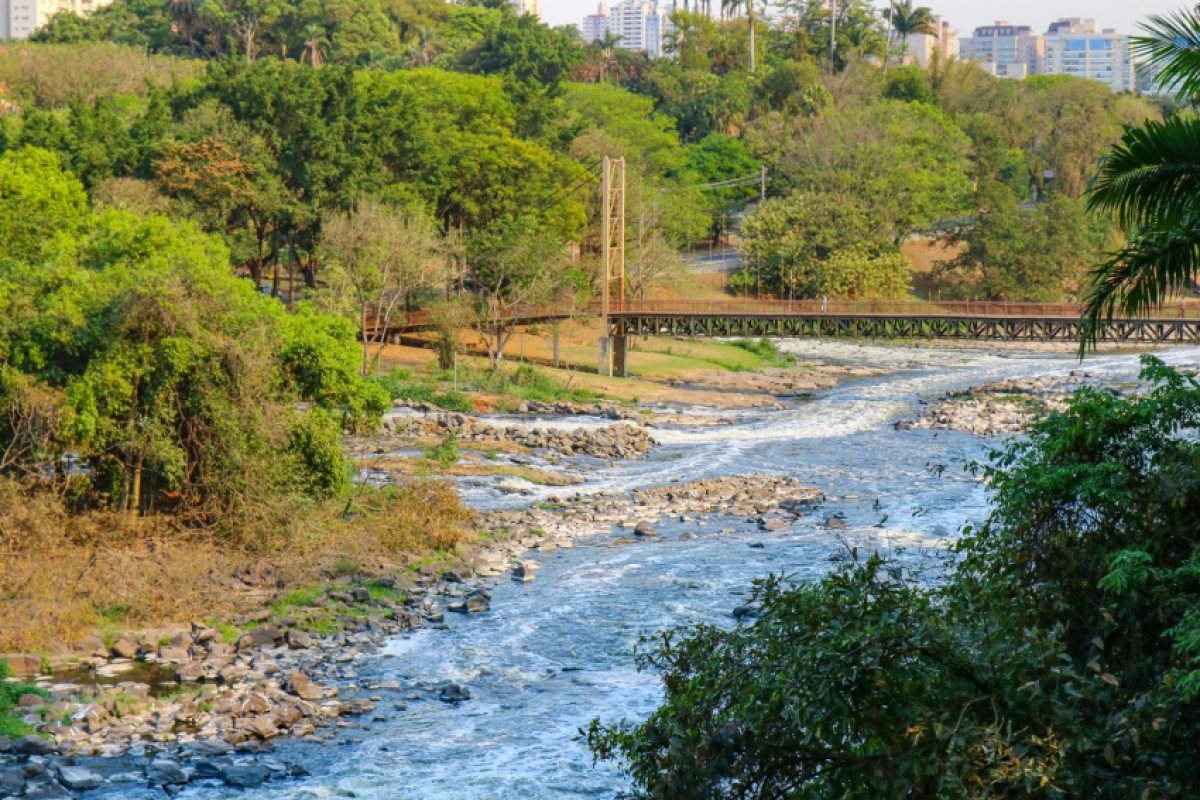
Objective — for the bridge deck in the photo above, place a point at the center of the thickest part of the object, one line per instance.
(983, 321)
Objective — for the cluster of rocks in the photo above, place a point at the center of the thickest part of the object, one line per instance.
(568, 409)
(619, 441)
(779, 381)
(996, 408)
(41, 772)
(604, 410)
(770, 501)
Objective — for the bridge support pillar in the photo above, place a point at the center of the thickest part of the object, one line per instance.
(613, 356)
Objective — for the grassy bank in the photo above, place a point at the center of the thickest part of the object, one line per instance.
(410, 372)
(68, 575)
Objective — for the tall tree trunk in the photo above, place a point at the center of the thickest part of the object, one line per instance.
(887, 52)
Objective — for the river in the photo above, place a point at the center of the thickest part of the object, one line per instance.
(554, 653)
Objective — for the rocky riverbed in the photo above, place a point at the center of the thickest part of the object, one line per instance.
(292, 670)
(619, 441)
(998, 407)
(780, 382)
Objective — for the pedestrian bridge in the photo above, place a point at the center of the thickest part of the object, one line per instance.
(886, 320)
(844, 319)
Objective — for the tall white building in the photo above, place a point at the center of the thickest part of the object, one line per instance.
(921, 46)
(527, 7)
(641, 24)
(19, 18)
(1077, 47)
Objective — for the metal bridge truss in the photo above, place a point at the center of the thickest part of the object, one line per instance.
(891, 327)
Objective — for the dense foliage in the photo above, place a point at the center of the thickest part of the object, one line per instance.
(1053, 654)
(131, 348)
(261, 121)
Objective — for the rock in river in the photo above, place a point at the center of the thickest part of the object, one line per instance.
(645, 529)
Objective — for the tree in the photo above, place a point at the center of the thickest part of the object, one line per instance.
(314, 42)
(387, 255)
(1013, 254)
(1021, 666)
(166, 367)
(907, 20)
(37, 200)
(513, 269)
(794, 244)
(906, 162)
(1150, 181)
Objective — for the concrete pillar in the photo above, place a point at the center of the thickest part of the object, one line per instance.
(556, 327)
(605, 365)
(620, 357)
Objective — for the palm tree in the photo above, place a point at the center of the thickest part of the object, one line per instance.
(184, 14)
(314, 38)
(907, 20)
(731, 7)
(608, 54)
(1150, 182)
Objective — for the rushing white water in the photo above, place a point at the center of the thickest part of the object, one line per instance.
(555, 653)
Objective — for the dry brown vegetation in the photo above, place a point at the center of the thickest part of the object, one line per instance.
(66, 575)
(51, 75)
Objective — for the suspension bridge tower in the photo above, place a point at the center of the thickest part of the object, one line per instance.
(613, 350)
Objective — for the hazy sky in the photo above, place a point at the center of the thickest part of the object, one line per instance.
(965, 15)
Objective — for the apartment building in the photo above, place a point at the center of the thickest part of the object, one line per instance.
(527, 7)
(641, 24)
(595, 25)
(921, 46)
(1005, 50)
(1076, 46)
(19, 18)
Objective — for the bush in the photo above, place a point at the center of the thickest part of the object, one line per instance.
(323, 472)
(1055, 654)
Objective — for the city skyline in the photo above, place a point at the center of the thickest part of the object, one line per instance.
(964, 15)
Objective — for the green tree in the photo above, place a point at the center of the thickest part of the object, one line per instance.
(906, 162)
(1013, 254)
(1020, 668)
(907, 83)
(811, 244)
(37, 201)
(513, 269)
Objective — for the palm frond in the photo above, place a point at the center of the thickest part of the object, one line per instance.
(1153, 172)
(1140, 277)
(1172, 49)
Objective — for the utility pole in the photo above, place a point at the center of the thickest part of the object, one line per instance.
(832, 32)
(750, 13)
(762, 189)
(612, 190)
(887, 52)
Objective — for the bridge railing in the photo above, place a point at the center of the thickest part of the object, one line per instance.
(870, 308)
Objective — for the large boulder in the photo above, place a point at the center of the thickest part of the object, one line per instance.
(33, 746)
(454, 693)
(125, 648)
(23, 665)
(645, 529)
(79, 778)
(246, 776)
(265, 635)
(163, 772)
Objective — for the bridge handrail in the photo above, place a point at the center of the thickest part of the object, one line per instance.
(745, 308)
(872, 307)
